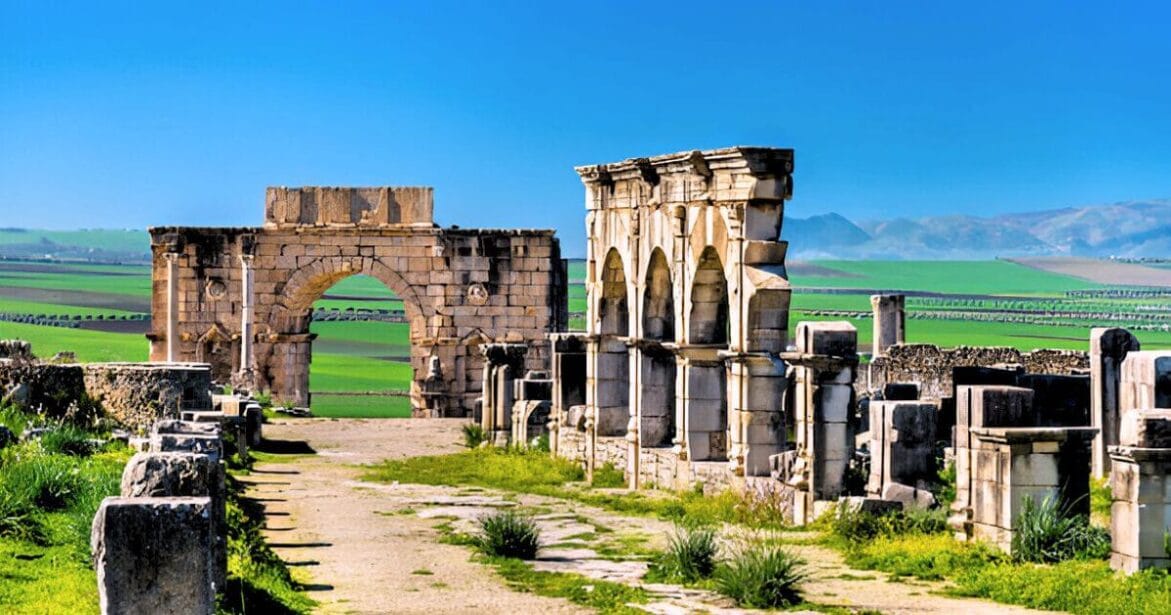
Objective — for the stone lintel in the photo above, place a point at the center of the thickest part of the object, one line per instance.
(1136, 454)
(1023, 435)
(822, 362)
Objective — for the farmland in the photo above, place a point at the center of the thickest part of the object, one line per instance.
(360, 361)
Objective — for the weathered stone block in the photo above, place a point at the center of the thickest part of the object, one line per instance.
(155, 556)
(1146, 428)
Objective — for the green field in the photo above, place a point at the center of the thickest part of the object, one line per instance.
(370, 357)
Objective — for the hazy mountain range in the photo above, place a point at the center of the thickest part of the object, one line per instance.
(1131, 229)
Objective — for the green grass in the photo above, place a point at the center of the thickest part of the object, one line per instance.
(536, 472)
(20, 306)
(603, 596)
(89, 345)
(972, 277)
(340, 373)
(360, 406)
(135, 285)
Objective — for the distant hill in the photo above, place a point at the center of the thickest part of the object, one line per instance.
(1137, 229)
(97, 245)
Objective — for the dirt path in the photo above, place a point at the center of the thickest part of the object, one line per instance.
(368, 548)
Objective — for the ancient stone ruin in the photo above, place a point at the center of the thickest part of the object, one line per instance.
(240, 299)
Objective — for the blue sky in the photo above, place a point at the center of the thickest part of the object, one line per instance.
(122, 115)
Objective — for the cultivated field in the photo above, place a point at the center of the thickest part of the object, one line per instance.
(359, 358)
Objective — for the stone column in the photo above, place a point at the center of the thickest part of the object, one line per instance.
(889, 321)
(756, 420)
(824, 398)
(1140, 481)
(1014, 463)
(1108, 349)
(246, 324)
(172, 305)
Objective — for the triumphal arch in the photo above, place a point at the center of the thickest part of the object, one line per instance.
(689, 303)
(241, 298)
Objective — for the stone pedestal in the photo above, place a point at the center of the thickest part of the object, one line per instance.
(1014, 463)
(977, 407)
(1140, 482)
(902, 445)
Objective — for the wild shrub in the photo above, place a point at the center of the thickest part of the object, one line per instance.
(509, 534)
(690, 555)
(473, 435)
(945, 492)
(264, 398)
(762, 577)
(1047, 533)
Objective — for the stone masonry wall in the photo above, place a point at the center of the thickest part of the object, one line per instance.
(931, 366)
(460, 288)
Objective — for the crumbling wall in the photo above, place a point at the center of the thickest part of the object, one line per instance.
(133, 394)
(932, 366)
(136, 394)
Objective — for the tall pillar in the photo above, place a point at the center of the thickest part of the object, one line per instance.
(1108, 348)
(825, 395)
(172, 305)
(246, 335)
(756, 420)
(889, 321)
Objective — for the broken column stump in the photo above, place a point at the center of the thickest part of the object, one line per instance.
(167, 475)
(902, 445)
(154, 556)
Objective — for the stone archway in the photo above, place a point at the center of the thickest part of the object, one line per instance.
(290, 318)
(500, 285)
(657, 363)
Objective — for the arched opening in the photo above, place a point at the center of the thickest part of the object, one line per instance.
(657, 403)
(612, 376)
(614, 309)
(709, 301)
(361, 351)
(707, 390)
(344, 337)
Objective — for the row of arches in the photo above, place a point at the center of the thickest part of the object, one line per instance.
(653, 354)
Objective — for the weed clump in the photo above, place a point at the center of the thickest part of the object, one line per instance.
(857, 526)
(762, 577)
(509, 534)
(473, 435)
(690, 555)
(1046, 533)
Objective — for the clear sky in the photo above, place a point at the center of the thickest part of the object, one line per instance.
(124, 115)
